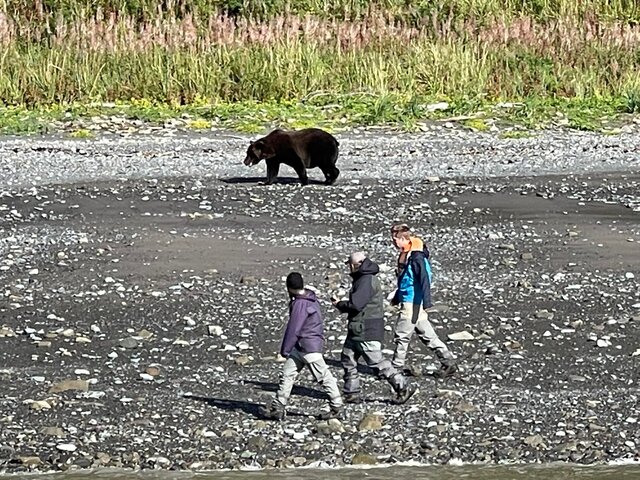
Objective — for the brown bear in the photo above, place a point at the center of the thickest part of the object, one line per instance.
(302, 149)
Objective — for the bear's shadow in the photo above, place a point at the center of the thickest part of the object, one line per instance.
(260, 181)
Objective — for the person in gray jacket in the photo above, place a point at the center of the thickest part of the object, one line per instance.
(365, 313)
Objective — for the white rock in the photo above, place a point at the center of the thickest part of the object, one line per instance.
(603, 343)
(629, 276)
(81, 371)
(66, 447)
(215, 330)
(439, 106)
(461, 336)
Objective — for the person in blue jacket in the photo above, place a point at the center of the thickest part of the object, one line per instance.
(413, 295)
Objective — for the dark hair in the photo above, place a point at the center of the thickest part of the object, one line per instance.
(294, 281)
(401, 230)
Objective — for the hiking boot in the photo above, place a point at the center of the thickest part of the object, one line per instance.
(352, 398)
(273, 411)
(405, 393)
(446, 371)
(334, 412)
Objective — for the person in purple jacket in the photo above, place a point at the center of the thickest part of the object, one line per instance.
(302, 346)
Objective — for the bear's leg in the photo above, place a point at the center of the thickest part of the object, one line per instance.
(302, 173)
(273, 167)
(331, 173)
(334, 175)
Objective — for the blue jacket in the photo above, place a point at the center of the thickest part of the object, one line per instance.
(414, 279)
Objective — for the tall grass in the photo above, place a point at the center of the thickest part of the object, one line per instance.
(188, 50)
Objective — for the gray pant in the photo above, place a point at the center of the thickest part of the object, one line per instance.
(296, 361)
(372, 354)
(413, 318)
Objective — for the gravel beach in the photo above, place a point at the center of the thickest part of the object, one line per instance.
(143, 299)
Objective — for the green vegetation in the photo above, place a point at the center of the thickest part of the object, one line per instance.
(247, 65)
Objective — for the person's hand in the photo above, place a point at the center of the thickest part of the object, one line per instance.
(334, 301)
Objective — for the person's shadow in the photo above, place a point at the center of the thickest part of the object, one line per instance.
(297, 389)
(252, 408)
(230, 405)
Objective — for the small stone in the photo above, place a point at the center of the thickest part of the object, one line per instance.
(30, 460)
(242, 360)
(152, 371)
(128, 342)
(145, 334)
(526, 256)
(370, 421)
(66, 447)
(544, 315)
(53, 432)
(256, 443)
(363, 459)
(40, 405)
(461, 336)
(535, 441)
(215, 330)
(65, 385)
(465, 407)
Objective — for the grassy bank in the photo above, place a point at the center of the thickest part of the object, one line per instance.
(352, 64)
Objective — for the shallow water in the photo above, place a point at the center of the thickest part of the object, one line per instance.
(471, 472)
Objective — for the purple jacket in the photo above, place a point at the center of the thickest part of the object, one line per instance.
(305, 330)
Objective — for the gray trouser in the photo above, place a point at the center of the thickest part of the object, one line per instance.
(372, 354)
(415, 318)
(296, 361)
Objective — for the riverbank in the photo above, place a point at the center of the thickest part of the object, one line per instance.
(135, 335)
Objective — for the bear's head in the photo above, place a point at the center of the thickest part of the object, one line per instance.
(258, 150)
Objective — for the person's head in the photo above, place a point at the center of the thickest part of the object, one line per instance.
(355, 260)
(295, 284)
(401, 235)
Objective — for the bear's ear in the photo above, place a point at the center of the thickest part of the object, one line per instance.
(251, 142)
